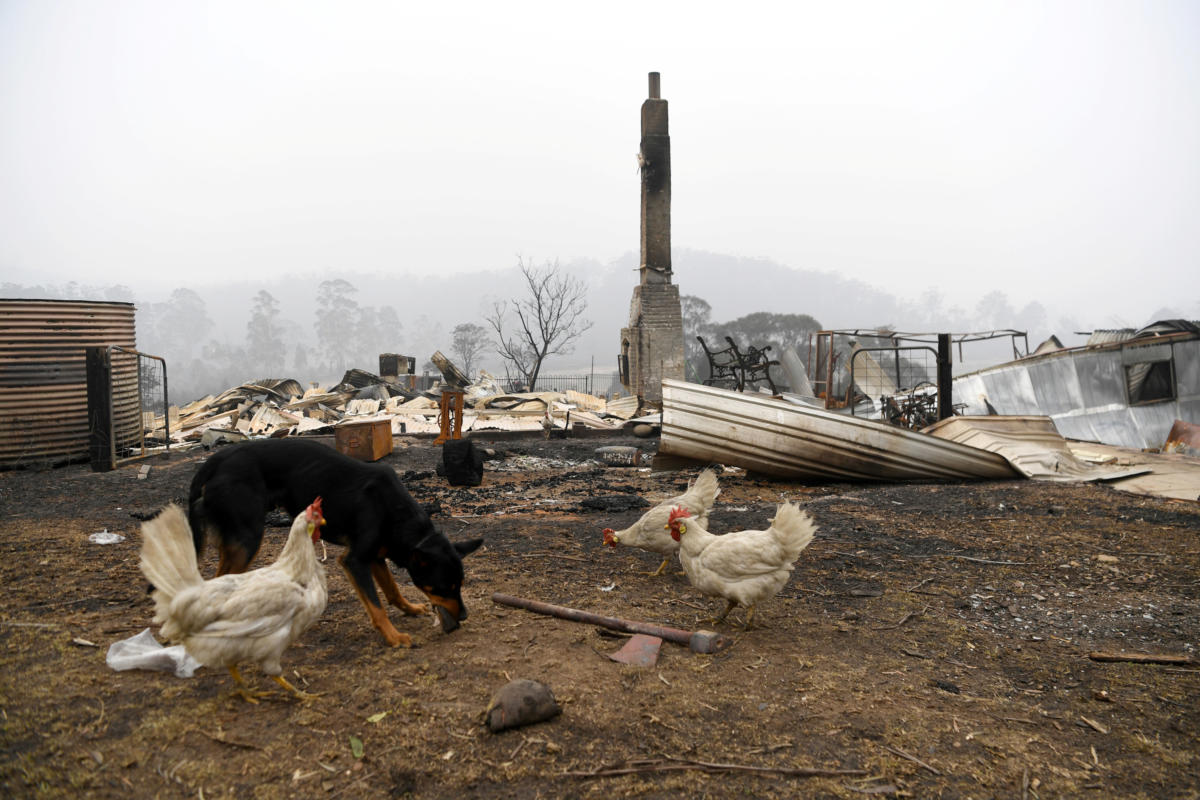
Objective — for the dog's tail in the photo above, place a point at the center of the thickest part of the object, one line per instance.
(168, 560)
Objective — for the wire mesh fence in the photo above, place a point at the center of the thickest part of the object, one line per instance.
(595, 383)
(563, 383)
(901, 380)
(153, 404)
(127, 406)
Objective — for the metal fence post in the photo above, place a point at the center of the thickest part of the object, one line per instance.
(945, 377)
(101, 442)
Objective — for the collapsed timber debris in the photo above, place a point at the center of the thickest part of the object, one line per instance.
(282, 407)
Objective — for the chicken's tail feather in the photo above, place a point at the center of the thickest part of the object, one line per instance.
(168, 556)
(795, 528)
(706, 488)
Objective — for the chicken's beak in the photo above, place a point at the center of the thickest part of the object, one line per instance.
(610, 537)
(314, 528)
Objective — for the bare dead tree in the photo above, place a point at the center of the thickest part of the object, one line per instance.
(545, 322)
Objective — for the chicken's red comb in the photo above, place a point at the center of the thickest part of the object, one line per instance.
(676, 513)
(313, 512)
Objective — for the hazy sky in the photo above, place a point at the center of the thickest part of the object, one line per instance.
(1047, 149)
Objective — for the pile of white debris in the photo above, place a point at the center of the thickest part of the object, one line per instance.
(282, 407)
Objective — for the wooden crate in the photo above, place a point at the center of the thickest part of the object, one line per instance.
(366, 441)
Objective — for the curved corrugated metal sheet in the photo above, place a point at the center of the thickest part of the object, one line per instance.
(1085, 390)
(760, 433)
(43, 377)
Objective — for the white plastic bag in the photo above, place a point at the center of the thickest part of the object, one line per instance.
(144, 652)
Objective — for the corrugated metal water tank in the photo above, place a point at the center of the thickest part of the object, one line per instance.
(43, 377)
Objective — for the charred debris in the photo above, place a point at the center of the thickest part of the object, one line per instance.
(277, 407)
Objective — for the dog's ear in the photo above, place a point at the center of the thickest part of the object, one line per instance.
(467, 547)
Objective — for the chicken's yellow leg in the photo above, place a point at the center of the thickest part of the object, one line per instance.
(731, 604)
(661, 568)
(749, 617)
(300, 694)
(242, 689)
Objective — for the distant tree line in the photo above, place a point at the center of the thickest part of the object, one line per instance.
(545, 320)
(543, 316)
(342, 334)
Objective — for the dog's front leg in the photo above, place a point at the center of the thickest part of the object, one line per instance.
(383, 576)
(360, 577)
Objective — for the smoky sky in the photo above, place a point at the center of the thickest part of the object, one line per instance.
(1046, 149)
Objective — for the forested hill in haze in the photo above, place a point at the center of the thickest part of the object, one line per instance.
(202, 330)
(429, 307)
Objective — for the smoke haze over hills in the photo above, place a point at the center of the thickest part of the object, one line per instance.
(427, 308)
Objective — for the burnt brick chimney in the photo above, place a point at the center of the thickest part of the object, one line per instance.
(652, 345)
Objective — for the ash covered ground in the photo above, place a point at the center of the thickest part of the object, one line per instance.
(933, 641)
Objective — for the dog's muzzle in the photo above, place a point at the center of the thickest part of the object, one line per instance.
(449, 623)
(446, 609)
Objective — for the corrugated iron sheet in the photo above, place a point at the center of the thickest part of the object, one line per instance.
(1084, 390)
(1174, 476)
(774, 437)
(1103, 336)
(43, 377)
(1031, 444)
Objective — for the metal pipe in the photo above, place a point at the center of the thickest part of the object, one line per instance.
(655, 87)
(712, 642)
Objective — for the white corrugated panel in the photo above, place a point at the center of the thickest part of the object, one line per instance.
(774, 437)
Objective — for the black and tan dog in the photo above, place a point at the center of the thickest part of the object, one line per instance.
(367, 510)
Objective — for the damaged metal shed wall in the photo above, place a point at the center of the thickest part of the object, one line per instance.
(1087, 391)
(43, 377)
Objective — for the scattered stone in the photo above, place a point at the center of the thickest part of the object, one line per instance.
(521, 702)
(643, 431)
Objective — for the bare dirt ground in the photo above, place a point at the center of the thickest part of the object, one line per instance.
(932, 642)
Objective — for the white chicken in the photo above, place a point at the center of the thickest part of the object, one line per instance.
(251, 616)
(744, 567)
(650, 532)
